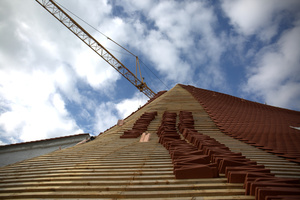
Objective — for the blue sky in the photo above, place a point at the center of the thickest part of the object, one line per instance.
(52, 85)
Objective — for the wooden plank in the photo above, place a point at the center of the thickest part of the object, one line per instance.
(123, 194)
(165, 187)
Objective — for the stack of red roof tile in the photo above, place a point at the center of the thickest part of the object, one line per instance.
(140, 125)
(187, 160)
(149, 101)
(260, 125)
(267, 188)
(234, 165)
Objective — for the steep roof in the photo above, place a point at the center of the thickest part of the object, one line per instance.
(263, 126)
(111, 167)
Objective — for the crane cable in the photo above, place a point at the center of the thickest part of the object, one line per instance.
(95, 28)
(111, 40)
(155, 75)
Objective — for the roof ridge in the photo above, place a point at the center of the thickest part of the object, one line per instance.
(240, 98)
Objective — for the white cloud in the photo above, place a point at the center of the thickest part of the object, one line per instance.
(275, 77)
(166, 57)
(271, 76)
(258, 17)
(41, 66)
(105, 116)
(181, 39)
(34, 109)
(59, 104)
(94, 70)
(66, 81)
(108, 113)
(127, 106)
(137, 5)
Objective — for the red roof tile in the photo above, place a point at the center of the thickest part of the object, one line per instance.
(260, 125)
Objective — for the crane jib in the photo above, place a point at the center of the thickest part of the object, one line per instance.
(84, 36)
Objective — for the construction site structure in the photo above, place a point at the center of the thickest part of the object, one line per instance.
(90, 41)
(186, 143)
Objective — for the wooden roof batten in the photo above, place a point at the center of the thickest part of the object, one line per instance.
(113, 168)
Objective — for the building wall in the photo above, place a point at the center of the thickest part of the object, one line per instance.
(10, 154)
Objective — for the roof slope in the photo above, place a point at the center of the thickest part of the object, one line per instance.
(110, 167)
(266, 127)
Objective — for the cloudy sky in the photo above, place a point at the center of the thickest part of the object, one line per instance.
(52, 84)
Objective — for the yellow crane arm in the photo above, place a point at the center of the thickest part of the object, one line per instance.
(83, 35)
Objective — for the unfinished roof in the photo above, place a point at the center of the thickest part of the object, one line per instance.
(266, 127)
(184, 138)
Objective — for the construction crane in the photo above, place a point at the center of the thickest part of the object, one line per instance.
(83, 35)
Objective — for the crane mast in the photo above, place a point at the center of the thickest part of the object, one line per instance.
(83, 35)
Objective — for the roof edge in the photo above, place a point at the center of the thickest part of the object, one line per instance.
(48, 139)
